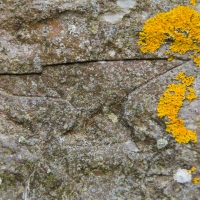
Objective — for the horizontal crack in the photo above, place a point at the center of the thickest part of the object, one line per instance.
(105, 60)
(20, 74)
(90, 61)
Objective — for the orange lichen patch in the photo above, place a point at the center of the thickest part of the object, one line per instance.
(193, 169)
(181, 26)
(171, 101)
(197, 60)
(171, 58)
(170, 104)
(179, 132)
(193, 2)
(195, 180)
(191, 94)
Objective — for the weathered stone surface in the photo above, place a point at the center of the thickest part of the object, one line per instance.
(56, 127)
(37, 33)
(78, 102)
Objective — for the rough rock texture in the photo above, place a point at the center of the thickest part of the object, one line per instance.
(78, 103)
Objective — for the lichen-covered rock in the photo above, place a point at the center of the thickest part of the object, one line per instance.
(78, 104)
(39, 33)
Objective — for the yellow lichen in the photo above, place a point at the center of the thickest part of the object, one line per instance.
(171, 58)
(195, 180)
(113, 117)
(180, 25)
(193, 169)
(170, 104)
(197, 60)
(193, 2)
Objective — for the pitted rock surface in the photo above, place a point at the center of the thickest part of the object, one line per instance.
(78, 104)
(39, 33)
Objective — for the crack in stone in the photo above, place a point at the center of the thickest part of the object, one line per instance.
(113, 60)
(123, 99)
(104, 60)
(151, 79)
(88, 61)
(20, 74)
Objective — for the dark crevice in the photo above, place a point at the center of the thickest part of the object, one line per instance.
(20, 74)
(90, 61)
(106, 60)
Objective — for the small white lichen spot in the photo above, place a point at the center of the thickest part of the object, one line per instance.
(112, 53)
(124, 6)
(71, 28)
(34, 84)
(161, 143)
(113, 17)
(21, 139)
(0, 181)
(130, 147)
(37, 62)
(182, 176)
(126, 3)
(113, 118)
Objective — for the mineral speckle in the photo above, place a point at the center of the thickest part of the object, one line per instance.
(78, 103)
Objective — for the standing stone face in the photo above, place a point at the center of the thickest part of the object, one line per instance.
(78, 103)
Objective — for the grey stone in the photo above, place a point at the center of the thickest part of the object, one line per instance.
(78, 102)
